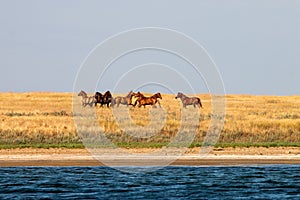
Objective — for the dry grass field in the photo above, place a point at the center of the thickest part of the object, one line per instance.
(46, 119)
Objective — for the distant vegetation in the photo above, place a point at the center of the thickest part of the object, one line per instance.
(45, 120)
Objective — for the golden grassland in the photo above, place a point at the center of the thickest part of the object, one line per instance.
(39, 119)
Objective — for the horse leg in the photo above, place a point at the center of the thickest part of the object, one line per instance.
(128, 103)
(135, 103)
(158, 103)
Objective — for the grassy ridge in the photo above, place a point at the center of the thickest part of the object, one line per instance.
(46, 120)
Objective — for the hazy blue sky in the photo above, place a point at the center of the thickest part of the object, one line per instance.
(255, 43)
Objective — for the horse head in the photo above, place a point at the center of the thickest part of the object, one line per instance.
(130, 94)
(158, 95)
(98, 97)
(179, 95)
(138, 94)
(107, 97)
(107, 93)
(82, 93)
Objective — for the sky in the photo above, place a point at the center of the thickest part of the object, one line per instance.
(255, 44)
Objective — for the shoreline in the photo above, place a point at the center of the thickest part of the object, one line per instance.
(143, 157)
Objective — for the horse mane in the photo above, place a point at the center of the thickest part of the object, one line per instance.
(129, 94)
(83, 92)
(156, 95)
(107, 93)
(140, 94)
(183, 95)
(98, 94)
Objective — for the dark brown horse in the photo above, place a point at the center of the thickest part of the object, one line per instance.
(103, 99)
(127, 100)
(189, 100)
(86, 100)
(99, 98)
(143, 101)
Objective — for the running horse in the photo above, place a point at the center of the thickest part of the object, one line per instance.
(127, 100)
(143, 101)
(86, 100)
(189, 100)
(103, 99)
(99, 98)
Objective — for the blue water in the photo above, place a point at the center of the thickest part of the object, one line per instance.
(261, 182)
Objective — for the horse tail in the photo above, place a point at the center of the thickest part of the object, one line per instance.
(199, 102)
(92, 100)
(113, 101)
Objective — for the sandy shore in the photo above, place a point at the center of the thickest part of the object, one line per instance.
(140, 157)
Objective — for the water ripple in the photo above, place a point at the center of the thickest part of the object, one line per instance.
(262, 182)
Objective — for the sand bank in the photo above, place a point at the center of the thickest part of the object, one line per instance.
(82, 157)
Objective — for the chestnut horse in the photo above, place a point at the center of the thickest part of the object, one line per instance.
(127, 100)
(189, 100)
(86, 100)
(143, 101)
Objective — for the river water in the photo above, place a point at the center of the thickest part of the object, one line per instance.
(248, 182)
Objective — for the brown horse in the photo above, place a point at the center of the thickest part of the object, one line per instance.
(127, 100)
(143, 101)
(102, 99)
(99, 98)
(189, 100)
(86, 100)
(107, 98)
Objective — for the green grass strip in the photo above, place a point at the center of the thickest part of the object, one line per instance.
(146, 145)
